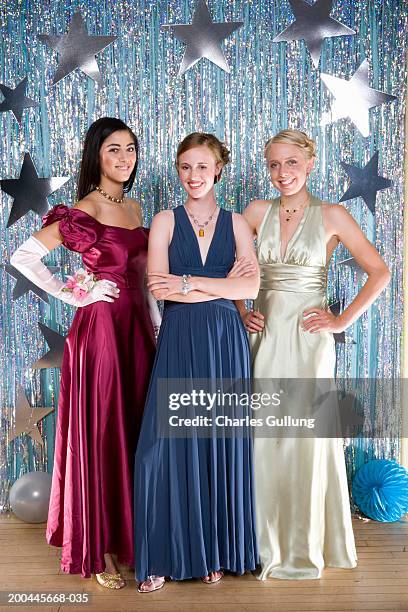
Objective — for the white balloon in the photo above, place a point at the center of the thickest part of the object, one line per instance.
(30, 497)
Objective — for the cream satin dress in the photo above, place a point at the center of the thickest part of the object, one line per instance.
(302, 499)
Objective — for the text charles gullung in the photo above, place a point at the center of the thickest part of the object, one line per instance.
(208, 401)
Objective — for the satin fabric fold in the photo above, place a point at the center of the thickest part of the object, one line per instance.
(107, 360)
(303, 510)
(194, 504)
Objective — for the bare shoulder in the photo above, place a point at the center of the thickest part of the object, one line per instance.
(135, 205)
(257, 208)
(164, 216)
(255, 212)
(163, 219)
(88, 205)
(335, 213)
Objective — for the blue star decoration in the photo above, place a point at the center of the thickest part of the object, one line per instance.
(53, 357)
(313, 24)
(15, 100)
(353, 98)
(365, 182)
(30, 192)
(203, 38)
(77, 49)
(23, 285)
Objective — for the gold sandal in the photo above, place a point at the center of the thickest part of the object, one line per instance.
(110, 581)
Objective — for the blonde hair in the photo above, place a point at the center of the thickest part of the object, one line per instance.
(197, 139)
(294, 137)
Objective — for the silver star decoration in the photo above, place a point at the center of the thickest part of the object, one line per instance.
(203, 38)
(354, 98)
(29, 191)
(23, 285)
(77, 49)
(365, 182)
(313, 24)
(351, 263)
(26, 418)
(339, 338)
(53, 357)
(15, 100)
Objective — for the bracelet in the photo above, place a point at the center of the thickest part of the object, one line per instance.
(185, 285)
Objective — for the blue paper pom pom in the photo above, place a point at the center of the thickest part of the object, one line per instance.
(380, 490)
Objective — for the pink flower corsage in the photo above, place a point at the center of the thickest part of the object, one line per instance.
(80, 284)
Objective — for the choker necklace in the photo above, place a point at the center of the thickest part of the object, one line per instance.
(109, 197)
(289, 212)
(201, 226)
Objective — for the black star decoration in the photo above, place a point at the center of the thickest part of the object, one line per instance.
(203, 38)
(26, 418)
(77, 49)
(23, 285)
(339, 338)
(365, 182)
(53, 357)
(15, 100)
(313, 24)
(353, 98)
(29, 191)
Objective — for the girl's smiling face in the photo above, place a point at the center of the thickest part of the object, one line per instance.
(288, 167)
(197, 169)
(117, 156)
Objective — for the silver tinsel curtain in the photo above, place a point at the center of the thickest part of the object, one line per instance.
(270, 86)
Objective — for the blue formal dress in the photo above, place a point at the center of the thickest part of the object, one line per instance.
(194, 505)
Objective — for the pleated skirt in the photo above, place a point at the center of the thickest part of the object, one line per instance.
(194, 501)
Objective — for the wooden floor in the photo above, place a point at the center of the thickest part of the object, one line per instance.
(380, 582)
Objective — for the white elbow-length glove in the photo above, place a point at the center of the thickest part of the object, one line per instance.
(27, 260)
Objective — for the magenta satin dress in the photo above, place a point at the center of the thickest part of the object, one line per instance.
(105, 372)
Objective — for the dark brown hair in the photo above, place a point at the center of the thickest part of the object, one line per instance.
(217, 148)
(90, 172)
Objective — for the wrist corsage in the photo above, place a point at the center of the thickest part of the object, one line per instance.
(80, 284)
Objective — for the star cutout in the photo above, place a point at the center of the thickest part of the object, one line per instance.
(23, 285)
(53, 357)
(353, 265)
(365, 182)
(354, 98)
(203, 38)
(339, 338)
(26, 418)
(313, 24)
(29, 191)
(77, 49)
(16, 100)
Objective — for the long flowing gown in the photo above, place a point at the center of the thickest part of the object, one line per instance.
(303, 510)
(193, 496)
(107, 361)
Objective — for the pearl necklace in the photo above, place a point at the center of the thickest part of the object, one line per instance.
(109, 197)
(289, 212)
(201, 226)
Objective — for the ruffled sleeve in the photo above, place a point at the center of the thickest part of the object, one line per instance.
(78, 230)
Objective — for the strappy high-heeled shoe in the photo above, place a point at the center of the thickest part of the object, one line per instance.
(151, 581)
(110, 581)
(208, 580)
